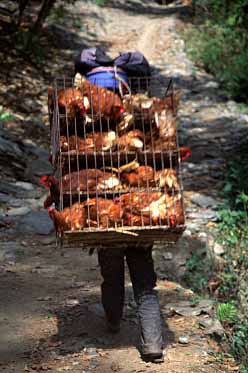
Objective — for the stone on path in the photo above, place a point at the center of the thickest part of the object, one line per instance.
(36, 222)
(203, 201)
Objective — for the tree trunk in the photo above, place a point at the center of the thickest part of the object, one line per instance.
(43, 13)
(22, 6)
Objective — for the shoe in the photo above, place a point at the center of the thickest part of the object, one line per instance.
(153, 358)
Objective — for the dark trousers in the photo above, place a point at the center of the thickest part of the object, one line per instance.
(143, 277)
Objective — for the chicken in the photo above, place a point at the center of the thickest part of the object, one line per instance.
(103, 212)
(131, 141)
(153, 208)
(141, 176)
(165, 210)
(82, 180)
(166, 124)
(167, 178)
(108, 181)
(142, 105)
(163, 135)
(70, 219)
(90, 143)
(126, 122)
(175, 210)
(51, 183)
(103, 102)
(135, 220)
(71, 105)
(134, 202)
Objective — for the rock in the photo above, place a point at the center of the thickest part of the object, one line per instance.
(18, 211)
(35, 203)
(212, 84)
(41, 167)
(168, 256)
(41, 153)
(206, 323)
(24, 185)
(206, 214)
(185, 308)
(187, 311)
(216, 329)
(71, 302)
(218, 249)
(203, 201)
(92, 353)
(16, 202)
(4, 198)
(184, 340)
(36, 222)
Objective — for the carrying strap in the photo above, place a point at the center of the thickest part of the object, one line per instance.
(121, 83)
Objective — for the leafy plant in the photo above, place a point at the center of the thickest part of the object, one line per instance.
(5, 115)
(239, 344)
(227, 313)
(198, 271)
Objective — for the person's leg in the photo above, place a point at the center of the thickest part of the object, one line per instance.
(111, 262)
(143, 278)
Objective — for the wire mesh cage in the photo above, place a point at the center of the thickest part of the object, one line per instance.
(116, 161)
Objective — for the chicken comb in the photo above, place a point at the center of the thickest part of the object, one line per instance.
(51, 208)
(184, 152)
(43, 179)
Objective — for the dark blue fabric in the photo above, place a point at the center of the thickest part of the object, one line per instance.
(90, 58)
(134, 64)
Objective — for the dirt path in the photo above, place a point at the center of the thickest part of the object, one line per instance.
(51, 318)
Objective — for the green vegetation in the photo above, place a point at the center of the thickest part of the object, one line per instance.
(198, 271)
(227, 313)
(5, 115)
(219, 42)
(232, 233)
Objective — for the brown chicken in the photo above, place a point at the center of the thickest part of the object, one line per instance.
(165, 210)
(131, 141)
(175, 210)
(163, 135)
(153, 208)
(141, 176)
(92, 142)
(135, 202)
(71, 105)
(82, 180)
(70, 219)
(166, 124)
(108, 181)
(103, 212)
(167, 178)
(51, 183)
(144, 106)
(103, 102)
(136, 220)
